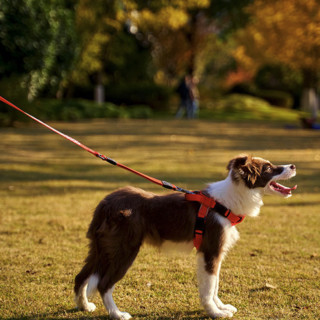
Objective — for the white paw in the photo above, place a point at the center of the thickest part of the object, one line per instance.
(90, 307)
(230, 308)
(120, 315)
(222, 314)
(125, 316)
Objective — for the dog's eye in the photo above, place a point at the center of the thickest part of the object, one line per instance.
(268, 169)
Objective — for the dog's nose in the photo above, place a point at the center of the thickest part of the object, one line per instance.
(292, 167)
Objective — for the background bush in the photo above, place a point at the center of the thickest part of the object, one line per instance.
(72, 110)
(275, 97)
(245, 107)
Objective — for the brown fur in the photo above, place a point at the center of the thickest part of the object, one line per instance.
(128, 217)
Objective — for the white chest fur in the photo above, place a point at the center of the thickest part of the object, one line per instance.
(231, 234)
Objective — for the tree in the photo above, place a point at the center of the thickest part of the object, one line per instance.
(96, 23)
(180, 31)
(286, 31)
(38, 43)
(174, 30)
(105, 44)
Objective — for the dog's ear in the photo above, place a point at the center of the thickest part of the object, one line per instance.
(244, 168)
(237, 162)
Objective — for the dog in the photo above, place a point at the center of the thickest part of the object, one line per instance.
(128, 217)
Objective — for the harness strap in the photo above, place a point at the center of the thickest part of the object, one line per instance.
(208, 203)
(200, 226)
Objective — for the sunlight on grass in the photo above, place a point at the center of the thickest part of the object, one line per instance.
(49, 189)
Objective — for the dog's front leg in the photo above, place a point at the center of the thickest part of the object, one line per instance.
(208, 279)
(216, 299)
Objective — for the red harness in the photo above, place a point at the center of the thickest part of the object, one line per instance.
(208, 203)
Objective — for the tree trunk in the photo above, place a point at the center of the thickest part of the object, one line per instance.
(192, 39)
(310, 102)
(309, 98)
(99, 93)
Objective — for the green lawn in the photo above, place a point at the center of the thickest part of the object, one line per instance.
(50, 187)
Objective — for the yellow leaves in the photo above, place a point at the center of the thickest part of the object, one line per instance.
(90, 58)
(191, 4)
(175, 18)
(172, 14)
(130, 5)
(167, 17)
(286, 31)
(100, 20)
(243, 56)
(94, 51)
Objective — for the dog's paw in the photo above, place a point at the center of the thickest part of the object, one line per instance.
(225, 307)
(90, 307)
(221, 314)
(230, 308)
(125, 316)
(118, 315)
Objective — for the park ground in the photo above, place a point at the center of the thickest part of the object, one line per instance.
(50, 187)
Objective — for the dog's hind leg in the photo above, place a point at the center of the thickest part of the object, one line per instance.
(83, 282)
(112, 308)
(114, 272)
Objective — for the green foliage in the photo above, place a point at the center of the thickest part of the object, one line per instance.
(178, 31)
(38, 41)
(279, 77)
(157, 97)
(275, 97)
(127, 60)
(97, 24)
(282, 78)
(12, 90)
(214, 68)
(242, 103)
(71, 110)
(229, 15)
(140, 112)
(53, 48)
(241, 106)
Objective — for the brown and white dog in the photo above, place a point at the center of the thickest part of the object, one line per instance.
(128, 217)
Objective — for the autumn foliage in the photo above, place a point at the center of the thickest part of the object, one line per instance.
(286, 31)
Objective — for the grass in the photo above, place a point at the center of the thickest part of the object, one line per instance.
(49, 188)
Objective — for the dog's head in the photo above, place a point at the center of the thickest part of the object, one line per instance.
(259, 173)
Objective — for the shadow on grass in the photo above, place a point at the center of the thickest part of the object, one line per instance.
(75, 314)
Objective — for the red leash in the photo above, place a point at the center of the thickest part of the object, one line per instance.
(164, 184)
(206, 202)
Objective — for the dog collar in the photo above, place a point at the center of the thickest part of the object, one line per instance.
(208, 203)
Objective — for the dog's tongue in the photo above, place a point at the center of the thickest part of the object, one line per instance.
(280, 188)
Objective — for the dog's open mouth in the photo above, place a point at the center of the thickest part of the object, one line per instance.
(277, 187)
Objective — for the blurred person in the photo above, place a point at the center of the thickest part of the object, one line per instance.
(186, 100)
(194, 92)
